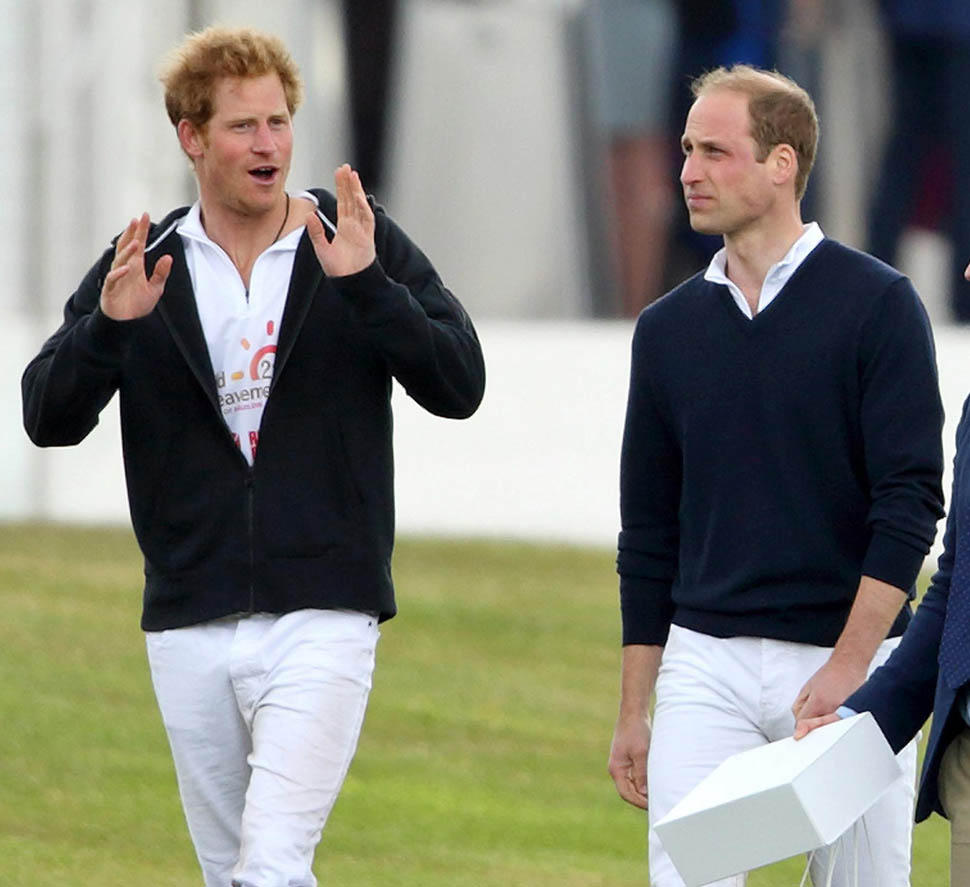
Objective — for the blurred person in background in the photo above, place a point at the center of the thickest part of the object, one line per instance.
(253, 338)
(780, 475)
(713, 33)
(805, 25)
(370, 41)
(633, 44)
(926, 162)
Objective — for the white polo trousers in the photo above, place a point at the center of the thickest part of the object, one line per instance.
(719, 696)
(263, 714)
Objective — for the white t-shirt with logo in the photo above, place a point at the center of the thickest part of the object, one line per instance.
(241, 328)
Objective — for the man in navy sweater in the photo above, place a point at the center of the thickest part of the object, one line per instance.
(780, 476)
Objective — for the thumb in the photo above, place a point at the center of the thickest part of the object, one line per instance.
(161, 271)
(801, 699)
(806, 725)
(640, 775)
(317, 234)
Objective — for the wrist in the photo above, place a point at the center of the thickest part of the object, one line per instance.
(853, 658)
(634, 710)
(633, 721)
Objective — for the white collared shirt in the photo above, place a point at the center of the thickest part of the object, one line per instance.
(778, 274)
(241, 327)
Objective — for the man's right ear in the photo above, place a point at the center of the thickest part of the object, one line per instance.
(190, 138)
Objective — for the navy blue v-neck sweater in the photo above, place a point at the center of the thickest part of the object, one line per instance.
(769, 463)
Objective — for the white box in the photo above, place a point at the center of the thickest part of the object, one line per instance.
(779, 800)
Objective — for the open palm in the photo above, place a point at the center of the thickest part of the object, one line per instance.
(128, 293)
(352, 248)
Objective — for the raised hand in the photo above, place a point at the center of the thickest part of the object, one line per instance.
(127, 292)
(352, 248)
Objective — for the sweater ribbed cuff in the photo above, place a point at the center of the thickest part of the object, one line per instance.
(646, 610)
(892, 561)
(373, 297)
(108, 338)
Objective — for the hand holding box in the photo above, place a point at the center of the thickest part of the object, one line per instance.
(778, 800)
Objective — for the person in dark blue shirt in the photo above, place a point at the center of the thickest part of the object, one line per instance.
(780, 474)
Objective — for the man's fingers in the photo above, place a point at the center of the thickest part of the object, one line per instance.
(114, 275)
(351, 197)
(314, 227)
(135, 243)
(817, 706)
(629, 790)
(365, 214)
(131, 241)
(141, 230)
(125, 237)
(806, 725)
(356, 188)
(629, 774)
(639, 780)
(803, 707)
(125, 255)
(800, 700)
(161, 271)
(318, 235)
(632, 796)
(344, 191)
(360, 196)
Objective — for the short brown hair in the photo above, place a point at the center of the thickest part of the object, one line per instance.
(781, 112)
(190, 71)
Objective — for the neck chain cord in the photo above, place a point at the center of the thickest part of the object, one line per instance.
(285, 217)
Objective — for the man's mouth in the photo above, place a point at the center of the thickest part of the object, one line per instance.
(696, 199)
(263, 173)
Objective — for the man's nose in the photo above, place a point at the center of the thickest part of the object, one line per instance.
(264, 142)
(688, 172)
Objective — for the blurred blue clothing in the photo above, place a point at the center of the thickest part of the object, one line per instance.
(755, 39)
(714, 33)
(928, 146)
(928, 18)
(914, 684)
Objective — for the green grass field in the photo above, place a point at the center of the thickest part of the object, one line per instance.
(482, 761)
